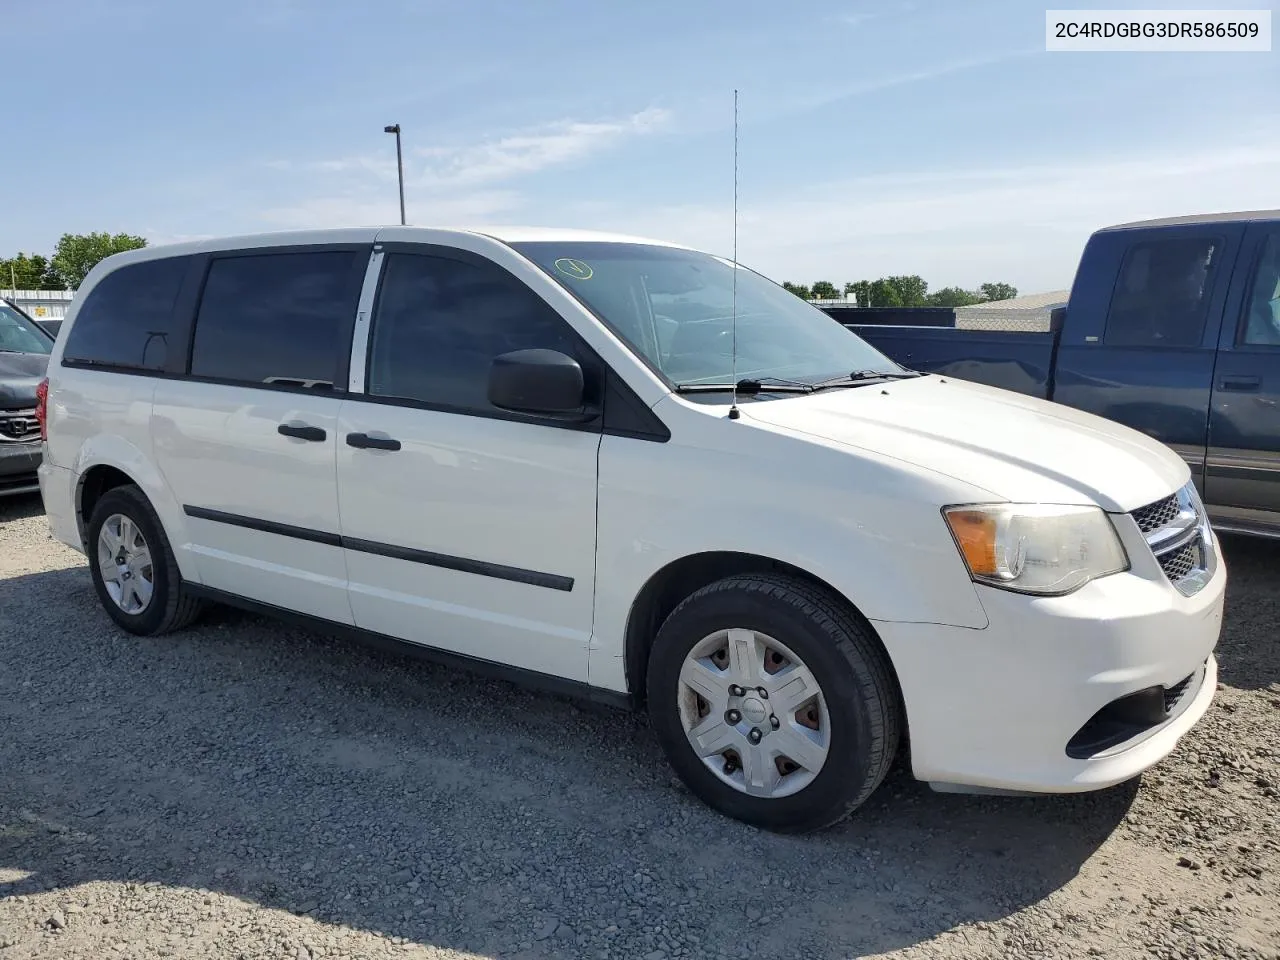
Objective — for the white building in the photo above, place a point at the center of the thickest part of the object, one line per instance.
(41, 305)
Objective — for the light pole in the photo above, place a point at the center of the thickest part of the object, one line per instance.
(395, 128)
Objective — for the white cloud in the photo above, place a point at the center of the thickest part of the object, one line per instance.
(530, 151)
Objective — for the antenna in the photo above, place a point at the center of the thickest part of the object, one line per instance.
(733, 362)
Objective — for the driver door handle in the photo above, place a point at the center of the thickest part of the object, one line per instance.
(1241, 384)
(301, 431)
(363, 441)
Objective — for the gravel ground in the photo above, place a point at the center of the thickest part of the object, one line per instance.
(248, 790)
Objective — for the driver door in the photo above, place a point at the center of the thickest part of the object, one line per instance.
(466, 527)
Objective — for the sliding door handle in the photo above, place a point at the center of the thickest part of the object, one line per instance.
(364, 441)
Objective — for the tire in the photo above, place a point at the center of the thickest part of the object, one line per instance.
(860, 726)
(168, 607)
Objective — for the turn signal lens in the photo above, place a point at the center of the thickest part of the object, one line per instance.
(975, 534)
(1037, 548)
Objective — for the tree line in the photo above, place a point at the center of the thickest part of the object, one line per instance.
(73, 258)
(909, 291)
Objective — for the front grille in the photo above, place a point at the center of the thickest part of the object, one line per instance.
(1179, 563)
(19, 426)
(1172, 695)
(1175, 530)
(1156, 515)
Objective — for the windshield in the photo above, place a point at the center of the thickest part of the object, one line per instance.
(674, 308)
(20, 335)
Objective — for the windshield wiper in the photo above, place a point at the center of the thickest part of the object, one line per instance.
(860, 377)
(749, 386)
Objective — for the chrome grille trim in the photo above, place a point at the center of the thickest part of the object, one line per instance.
(1176, 529)
(19, 426)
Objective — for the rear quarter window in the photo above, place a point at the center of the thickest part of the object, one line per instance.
(127, 319)
(1161, 298)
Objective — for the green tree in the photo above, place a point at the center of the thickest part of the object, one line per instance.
(912, 290)
(799, 289)
(883, 293)
(861, 292)
(78, 253)
(29, 272)
(953, 297)
(998, 291)
(825, 290)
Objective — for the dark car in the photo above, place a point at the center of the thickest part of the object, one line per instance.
(1173, 328)
(24, 355)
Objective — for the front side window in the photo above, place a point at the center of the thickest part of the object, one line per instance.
(675, 308)
(127, 319)
(1162, 296)
(19, 335)
(439, 323)
(282, 319)
(1262, 322)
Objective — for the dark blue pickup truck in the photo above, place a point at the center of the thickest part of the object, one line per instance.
(1173, 328)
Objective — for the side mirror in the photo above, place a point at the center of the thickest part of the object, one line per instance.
(537, 381)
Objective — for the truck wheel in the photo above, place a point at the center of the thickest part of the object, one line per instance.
(133, 567)
(773, 701)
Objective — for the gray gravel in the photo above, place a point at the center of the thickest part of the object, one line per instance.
(248, 790)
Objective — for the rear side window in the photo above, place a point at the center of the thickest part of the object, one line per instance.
(1162, 296)
(1262, 318)
(439, 324)
(127, 319)
(278, 318)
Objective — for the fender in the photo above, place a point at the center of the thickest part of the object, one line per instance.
(113, 450)
(862, 527)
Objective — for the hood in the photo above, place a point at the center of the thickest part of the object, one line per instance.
(20, 374)
(1017, 447)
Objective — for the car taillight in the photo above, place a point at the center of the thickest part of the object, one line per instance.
(42, 408)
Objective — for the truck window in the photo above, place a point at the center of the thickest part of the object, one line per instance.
(1262, 322)
(1162, 296)
(127, 319)
(278, 318)
(439, 323)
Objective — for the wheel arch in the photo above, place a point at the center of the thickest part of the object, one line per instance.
(93, 483)
(664, 590)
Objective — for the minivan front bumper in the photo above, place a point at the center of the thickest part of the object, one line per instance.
(1030, 702)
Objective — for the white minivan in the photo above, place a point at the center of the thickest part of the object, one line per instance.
(632, 470)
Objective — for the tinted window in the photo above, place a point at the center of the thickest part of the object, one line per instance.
(127, 319)
(1262, 322)
(20, 335)
(1162, 296)
(439, 324)
(282, 318)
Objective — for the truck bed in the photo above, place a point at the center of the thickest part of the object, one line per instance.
(1022, 362)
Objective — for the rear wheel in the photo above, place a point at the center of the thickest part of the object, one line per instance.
(133, 567)
(773, 701)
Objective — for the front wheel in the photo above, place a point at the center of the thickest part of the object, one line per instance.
(773, 701)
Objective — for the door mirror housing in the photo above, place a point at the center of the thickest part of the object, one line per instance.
(537, 381)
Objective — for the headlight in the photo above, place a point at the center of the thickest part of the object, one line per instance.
(1036, 548)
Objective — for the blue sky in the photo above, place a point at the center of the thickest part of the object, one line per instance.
(882, 137)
